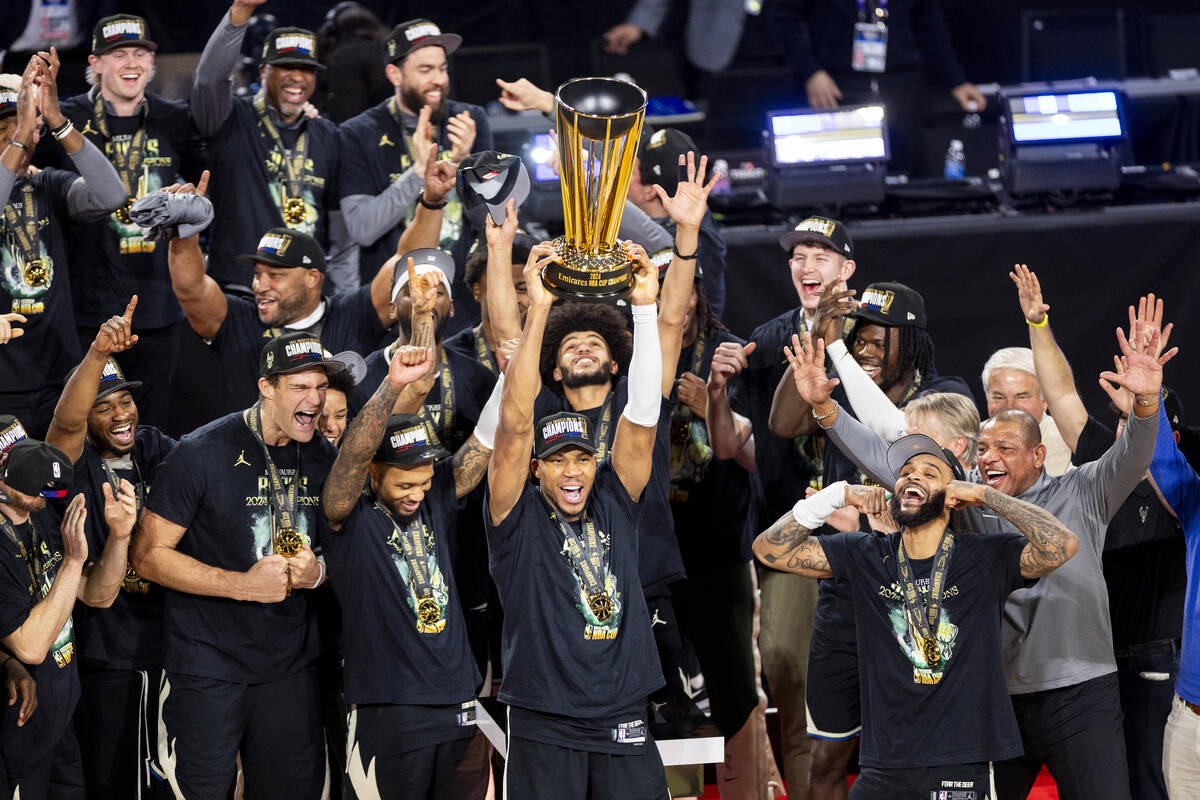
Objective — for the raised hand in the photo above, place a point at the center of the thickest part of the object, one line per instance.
(7, 331)
(502, 235)
(409, 363)
(120, 509)
(645, 276)
(1150, 312)
(1143, 372)
(505, 352)
(422, 289)
(200, 188)
(47, 81)
(729, 359)
(808, 369)
(691, 391)
(116, 335)
(539, 256)
(691, 196)
(75, 547)
(1120, 398)
(832, 307)
(460, 129)
(867, 499)
(422, 141)
(1029, 294)
(522, 95)
(440, 177)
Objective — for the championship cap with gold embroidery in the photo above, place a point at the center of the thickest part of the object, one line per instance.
(564, 429)
(415, 34)
(10, 88)
(293, 352)
(891, 305)
(112, 378)
(285, 247)
(296, 47)
(121, 30)
(821, 230)
(409, 441)
(11, 432)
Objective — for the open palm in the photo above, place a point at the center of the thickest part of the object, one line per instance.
(808, 369)
(688, 205)
(1143, 372)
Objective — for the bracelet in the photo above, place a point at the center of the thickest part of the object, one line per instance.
(1042, 324)
(321, 577)
(63, 131)
(1144, 403)
(826, 415)
(679, 255)
(24, 147)
(431, 206)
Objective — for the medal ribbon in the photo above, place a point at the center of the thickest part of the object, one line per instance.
(588, 557)
(923, 617)
(282, 495)
(483, 352)
(130, 164)
(24, 230)
(293, 159)
(446, 418)
(33, 562)
(416, 546)
(132, 582)
(602, 432)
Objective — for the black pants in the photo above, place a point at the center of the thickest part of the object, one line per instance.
(1077, 733)
(672, 700)
(399, 773)
(152, 361)
(1146, 674)
(116, 722)
(58, 777)
(539, 771)
(276, 727)
(957, 782)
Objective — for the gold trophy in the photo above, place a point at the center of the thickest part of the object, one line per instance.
(599, 124)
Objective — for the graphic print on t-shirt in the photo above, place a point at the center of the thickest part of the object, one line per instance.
(63, 649)
(25, 281)
(947, 631)
(130, 236)
(277, 185)
(593, 627)
(260, 521)
(437, 581)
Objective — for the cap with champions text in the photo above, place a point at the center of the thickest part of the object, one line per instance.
(409, 441)
(121, 30)
(820, 230)
(293, 352)
(284, 247)
(294, 47)
(891, 304)
(415, 34)
(564, 429)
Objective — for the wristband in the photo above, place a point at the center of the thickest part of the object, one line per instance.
(64, 130)
(679, 255)
(1042, 324)
(431, 206)
(811, 512)
(15, 143)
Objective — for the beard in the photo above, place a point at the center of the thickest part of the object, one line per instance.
(416, 100)
(287, 309)
(599, 376)
(439, 326)
(928, 511)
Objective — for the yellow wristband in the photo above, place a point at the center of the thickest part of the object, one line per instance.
(1042, 324)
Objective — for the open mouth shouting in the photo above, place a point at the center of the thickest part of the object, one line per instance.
(306, 421)
(293, 94)
(995, 477)
(571, 493)
(912, 495)
(122, 434)
(810, 288)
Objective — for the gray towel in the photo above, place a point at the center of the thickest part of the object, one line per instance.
(163, 216)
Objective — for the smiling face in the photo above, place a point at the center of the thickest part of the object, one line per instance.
(871, 343)
(1010, 458)
(294, 402)
(920, 492)
(285, 294)
(112, 423)
(566, 478)
(332, 422)
(123, 73)
(813, 266)
(422, 79)
(8, 127)
(288, 87)
(1014, 388)
(401, 489)
(584, 360)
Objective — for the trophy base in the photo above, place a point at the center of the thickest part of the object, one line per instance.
(597, 278)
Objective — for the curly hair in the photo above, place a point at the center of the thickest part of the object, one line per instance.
(569, 318)
(476, 266)
(916, 348)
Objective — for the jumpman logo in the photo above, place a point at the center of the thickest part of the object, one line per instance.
(241, 460)
(385, 141)
(656, 619)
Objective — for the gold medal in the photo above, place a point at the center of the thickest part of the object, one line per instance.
(35, 273)
(930, 649)
(289, 542)
(601, 605)
(134, 583)
(294, 210)
(428, 611)
(123, 213)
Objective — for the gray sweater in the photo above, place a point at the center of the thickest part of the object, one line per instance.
(95, 194)
(1056, 633)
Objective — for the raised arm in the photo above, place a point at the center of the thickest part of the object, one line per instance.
(200, 296)
(503, 310)
(728, 433)
(212, 85)
(788, 546)
(633, 442)
(68, 428)
(1050, 542)
(345, 481)
(472, 459)
(509, 467)
(369, 217)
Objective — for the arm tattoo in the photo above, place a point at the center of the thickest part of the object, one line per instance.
(345, 481)
(787, 546)
(470, 465)
(1050, 543)
(422, 330)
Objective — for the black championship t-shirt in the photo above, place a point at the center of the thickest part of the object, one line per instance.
(390, 656)
(1145, 557)
(215, 484)
(958, 712)
(349, 323)
(24, 582)
(127, 634)
(558, 657)
(710, 498)
(250, 177)
(110, 261)
(41, 291)
(375, 152)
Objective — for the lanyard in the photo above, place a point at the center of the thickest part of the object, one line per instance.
(589, 560)
(923, 617)
(605, 425)
(483, 352)
(292, 203)
(415, 543)
(23, 232)
(129, 163)
(446, 417)
(285, 538)
(33, 561)
(398, 118)
(881, 11)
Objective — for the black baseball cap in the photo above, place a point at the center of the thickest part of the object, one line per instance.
(1173, 406)
(821, 230)
(293, 352)
(564, 429)
(36, 468)
(112, 379)
(121, 30)
(914, 444)
(891, 304)
(409, 441)
(11, 432)
(659, 153)
(296, 47)
(284, 247)
(487, 180)
(415, 34)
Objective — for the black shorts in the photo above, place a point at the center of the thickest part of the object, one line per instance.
(275, 727)
(405, 752)
(956, 782)
(832, 693)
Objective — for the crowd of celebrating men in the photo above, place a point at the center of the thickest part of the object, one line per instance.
(391, 470)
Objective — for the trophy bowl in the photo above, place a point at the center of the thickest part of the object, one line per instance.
(599, 123)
